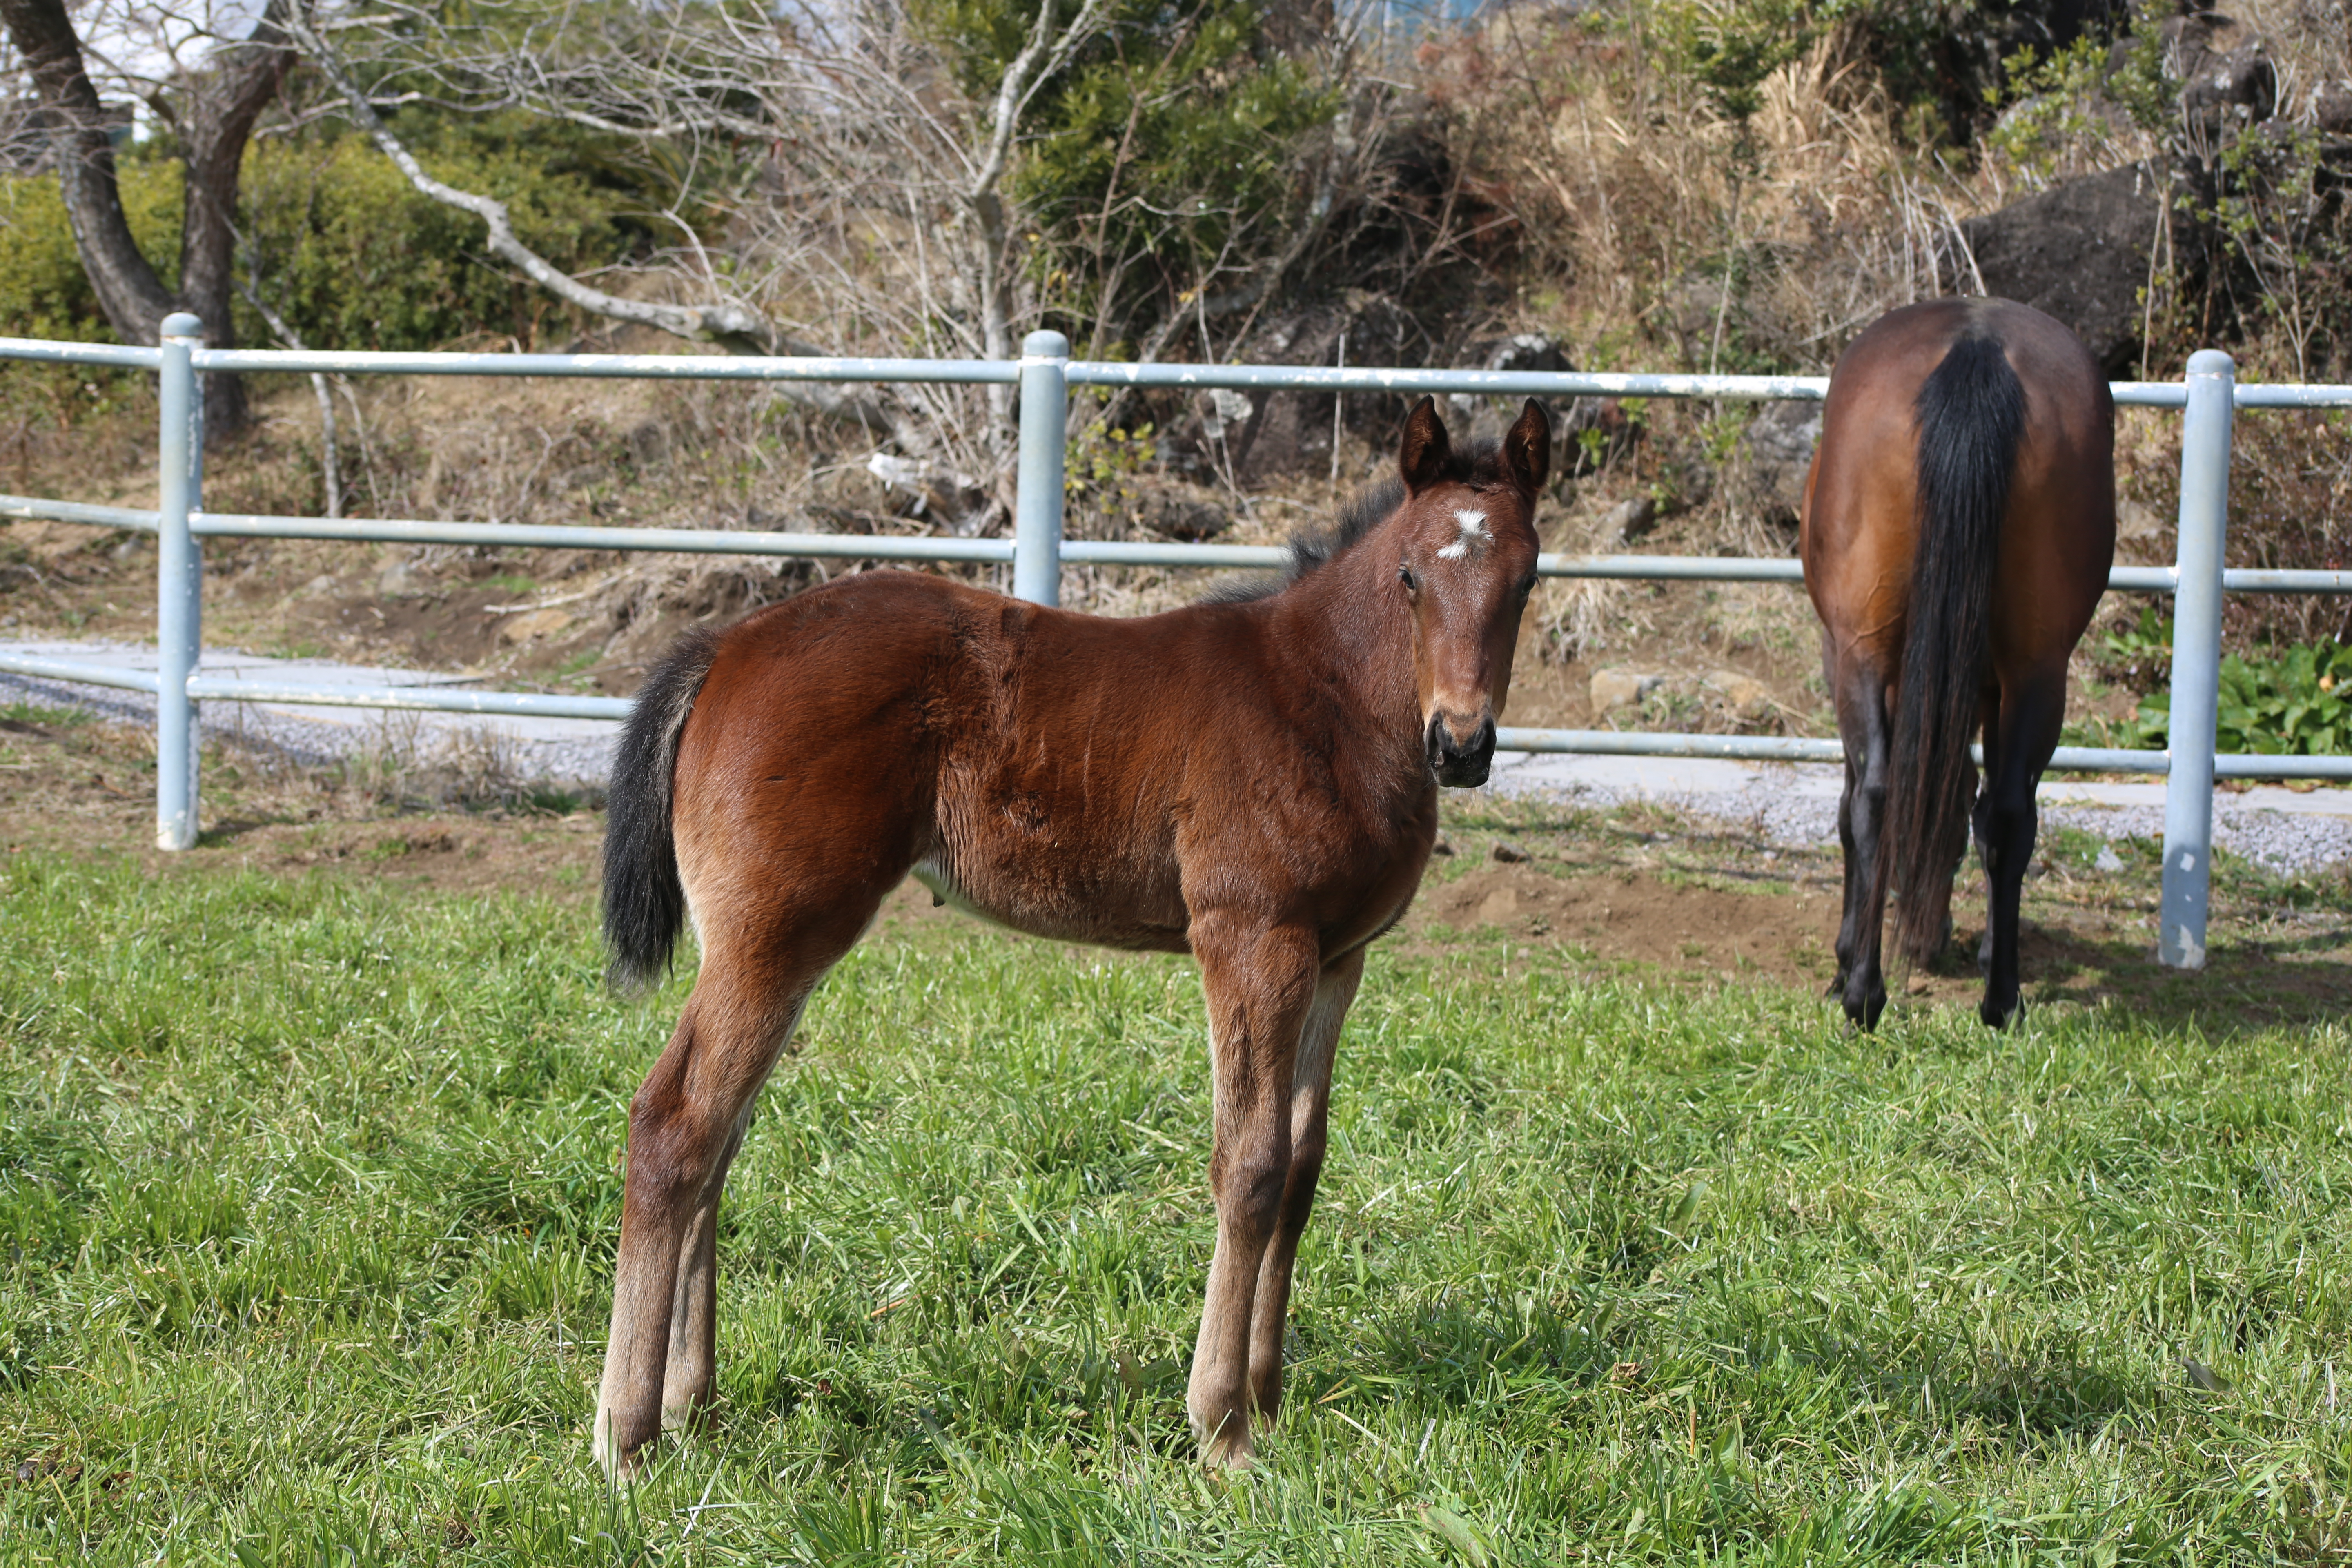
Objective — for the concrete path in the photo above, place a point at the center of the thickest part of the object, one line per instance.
(1796, 802)
(1793, 804)
(558, 751)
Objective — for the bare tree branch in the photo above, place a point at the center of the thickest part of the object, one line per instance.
(734, 327)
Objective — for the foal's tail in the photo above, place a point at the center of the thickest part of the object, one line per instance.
(1971, 414)
(645, 902)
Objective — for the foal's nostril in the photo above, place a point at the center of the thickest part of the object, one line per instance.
(1455, 760)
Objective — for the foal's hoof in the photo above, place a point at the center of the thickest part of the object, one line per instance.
(620, 1468)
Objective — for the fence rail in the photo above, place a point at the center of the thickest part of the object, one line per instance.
(1037, 553)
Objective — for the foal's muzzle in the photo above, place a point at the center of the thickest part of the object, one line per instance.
(1464, 765)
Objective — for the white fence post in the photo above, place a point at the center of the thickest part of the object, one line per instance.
(2196, 661)
(179, 581)
(1037, 496)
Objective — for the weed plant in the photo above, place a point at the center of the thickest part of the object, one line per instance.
(2293, 701)
(308, 1192)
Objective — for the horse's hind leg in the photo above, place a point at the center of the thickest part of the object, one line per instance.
(1310, 1105)
(1861, 812)
(759, 966)
(2017, 748)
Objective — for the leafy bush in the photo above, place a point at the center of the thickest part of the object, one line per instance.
(1174, 139)
(355, 258)
(44, 292)
(2297, 702)
(349, 253)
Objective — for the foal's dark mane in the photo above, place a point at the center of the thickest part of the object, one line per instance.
(1317, 545)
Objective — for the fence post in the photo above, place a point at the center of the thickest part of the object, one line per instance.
(1037, 495)
(2195, 659)
(179, 582)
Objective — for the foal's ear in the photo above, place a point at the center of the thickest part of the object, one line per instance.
(1527, 449)
(1421, 456)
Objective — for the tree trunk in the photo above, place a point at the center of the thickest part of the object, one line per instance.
(215, 123)
(216, 119)
(128, 291)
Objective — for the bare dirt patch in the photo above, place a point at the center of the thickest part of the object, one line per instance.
(1634, 892)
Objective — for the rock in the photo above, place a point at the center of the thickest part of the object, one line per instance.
(318, 587)
(1486, 418)
(1614, 689)
(1175, 514)
(1742, 692)
(2108, 860)
(1591, 433)
(2331, 108)
(533, 625)
(1775, 453)
(1510, 854)
(2136, 520)
(2078, 251)
(399, 579)
(1442, 846)
(2227, 79)
(1628, 519)
(1267, 434)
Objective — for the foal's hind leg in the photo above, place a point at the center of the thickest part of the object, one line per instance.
(2017, 748)
(685, 1123)
(1862, 725)
(1310, 1105)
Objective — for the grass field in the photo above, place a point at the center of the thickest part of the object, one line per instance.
(309, 1189)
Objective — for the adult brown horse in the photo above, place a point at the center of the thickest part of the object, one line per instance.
(1253, 782)
(1960, 521)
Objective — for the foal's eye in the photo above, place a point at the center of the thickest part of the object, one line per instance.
(1527, 586)
(1405, 576)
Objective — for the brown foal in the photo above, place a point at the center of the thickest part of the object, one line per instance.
(1960, 521)
(1250, 780)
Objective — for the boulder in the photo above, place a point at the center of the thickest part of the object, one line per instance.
(1741, 692)
(2227, 79)
(1775, 453)
(2078, 251)
(1628, 520)
(1614, 689)
(2331, 108)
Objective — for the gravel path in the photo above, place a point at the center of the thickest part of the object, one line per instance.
(2283, 830)
(1796, 803)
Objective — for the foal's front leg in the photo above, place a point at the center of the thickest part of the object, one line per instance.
(1311, 1106)
(1260, 982)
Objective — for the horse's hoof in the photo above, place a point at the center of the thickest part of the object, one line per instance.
(1864, 1013)
(1996, 1015)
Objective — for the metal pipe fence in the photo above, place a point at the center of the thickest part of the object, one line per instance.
(1037, 553)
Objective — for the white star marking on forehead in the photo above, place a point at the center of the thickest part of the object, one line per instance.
(1474, 536)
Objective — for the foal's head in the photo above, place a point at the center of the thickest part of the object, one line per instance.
(1464, 542)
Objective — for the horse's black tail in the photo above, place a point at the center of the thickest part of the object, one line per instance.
(1971, 414)
(645, 902)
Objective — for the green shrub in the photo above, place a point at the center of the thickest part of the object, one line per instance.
(2295, 702)
(355, 258)
(43, 294)
(350, 253)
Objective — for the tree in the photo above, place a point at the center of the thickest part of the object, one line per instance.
(217, 102)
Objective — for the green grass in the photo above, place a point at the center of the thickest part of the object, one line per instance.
(308, 1190)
